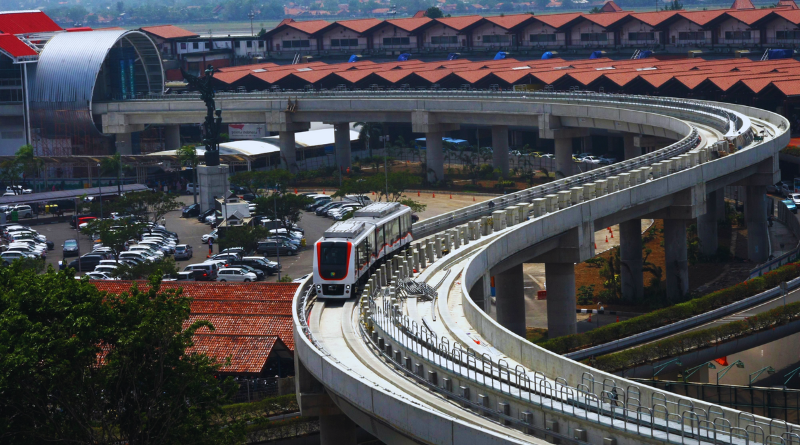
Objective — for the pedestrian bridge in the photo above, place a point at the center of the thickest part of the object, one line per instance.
(416, 359)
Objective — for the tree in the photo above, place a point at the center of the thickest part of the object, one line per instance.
(246, 237)
(367, 132)
(151, 205)
(114, 234)
(187, 155)
(254, 181)
(11, 172)
(399, 182)
(433, 13)
(138, 271)
(288, 206)
(82, 366)
(360, 186)
(674, 5)
(113, 164)
(415, 206)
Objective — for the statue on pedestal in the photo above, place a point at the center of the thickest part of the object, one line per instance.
(213, 121)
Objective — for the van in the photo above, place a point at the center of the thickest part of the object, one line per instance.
(208, 271)
(359, 199)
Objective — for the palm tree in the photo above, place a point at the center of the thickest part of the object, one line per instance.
(188, 155)
(112, 164)
(27, 160)
(365, 133)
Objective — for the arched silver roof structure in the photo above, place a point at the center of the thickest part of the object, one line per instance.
(77, 68)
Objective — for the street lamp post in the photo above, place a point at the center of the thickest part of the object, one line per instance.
(250, 15)
(755, 375)
(723, 371)
(662, 366)
(688, 372)
(277, 240)
(100, 186)
(385, 163)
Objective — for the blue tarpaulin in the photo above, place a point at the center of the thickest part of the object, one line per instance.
(596, 55)
(547, 55)
(780, 54)
(500, 56)
(353, 58)
(644, 54)
(403, 57)
(453, 56)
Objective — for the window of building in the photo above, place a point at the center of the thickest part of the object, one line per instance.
(594, 37)
(787, 35)
(642, 36)
(249, 43)
(697, 35)
(195, 45)
(183, 45)
(338, 43)
(389, 41)
(543, 37)
(495, 38)
(737, 35)
(444, 40)
(260, 43)
(296, 43)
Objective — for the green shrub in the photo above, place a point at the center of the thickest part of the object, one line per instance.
(671, 314)
(680, 344)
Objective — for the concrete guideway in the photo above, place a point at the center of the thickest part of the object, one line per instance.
(546, 391)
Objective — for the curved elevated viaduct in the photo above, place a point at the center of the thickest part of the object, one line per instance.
(426, 364)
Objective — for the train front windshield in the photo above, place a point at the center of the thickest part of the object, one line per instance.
(333, 260)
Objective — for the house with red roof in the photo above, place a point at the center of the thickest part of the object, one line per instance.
(296, 37)
(499, 31)
(735, 27)
(348, 35)
(450, 32)
(595, 30)
(688, 28)
(400, 34)
(781, 27)
(548, 31)
(642, 29)
(166, 37)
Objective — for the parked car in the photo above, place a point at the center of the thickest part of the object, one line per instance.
(607, 159)
(190, 188)
(208, 271)
(106, 268)
(87, 262)
(210, 236)
(227, 257)
(99, 276)
(190, 210)
(18, 190)
(549, 156)
(183, 252)
(323, 209)
(590, 160)
(71, 248)
(259, 263)
(275, 247)
(235, 274)
(7, 258)
(790, 205)
(203, 215)
(795, 197)
(260, 274)
(180, 276)
(23, 211)
(515, 153)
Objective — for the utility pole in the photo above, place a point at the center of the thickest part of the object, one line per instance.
(250, 15)
(277, 240)
(385, 164)
(100, 185)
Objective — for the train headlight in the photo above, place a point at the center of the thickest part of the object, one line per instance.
(319, 288)
(347, 289)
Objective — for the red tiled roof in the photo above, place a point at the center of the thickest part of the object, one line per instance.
(557, 20)
(278, 325)
(26, 22)
(653, 18)
(410, 24)
(606, 19)
(213, 291)
(509, 21)
(309, 27)
(788, 4)
(742, 4)
(792, 16)
(419, 14)
(702, 17)
(247, 353)
(459, 23)
(788, 88)
(14, 46)
(750, 17)
(610, 6)
(360, 25)
(168, 32)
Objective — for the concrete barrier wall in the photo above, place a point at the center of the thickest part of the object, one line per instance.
(554, 365)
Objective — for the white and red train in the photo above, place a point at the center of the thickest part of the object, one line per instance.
(350, 250)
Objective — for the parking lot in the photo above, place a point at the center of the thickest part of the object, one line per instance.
(190, 231)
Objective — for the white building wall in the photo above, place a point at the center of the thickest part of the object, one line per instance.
(586, 26)
(636, 26)
(290, 34)
(440, 30)
(241, 49)
(490, 29)
(392, 32)
(339, 33)
(733, 25)
(684, 25)
(780, 24)
(538, 28)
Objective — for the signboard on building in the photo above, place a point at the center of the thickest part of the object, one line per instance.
(247, 131)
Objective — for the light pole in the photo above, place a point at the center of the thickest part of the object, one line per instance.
(688, 372)
(723, 371)
(250, 15)
(664, 365)
(277, 240)
(100, 186)
(385, 164)
(769, 369)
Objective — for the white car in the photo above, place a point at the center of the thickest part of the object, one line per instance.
(343, 209)
(7, 258)
(235, 274)
(211, 236)
(591, 160)
(549, 156)
(190, 188)
(99, 276)
(23, 211)
(138, 257)
(147, 251)
(106, 269)
(158, 246)
(24, 248)
(795, 197)
(607, 159)
(18, 190)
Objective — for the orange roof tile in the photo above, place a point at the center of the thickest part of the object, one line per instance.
(788, 4)
(557, 20)
(610, 6)
(168, 31)
(653, 18)
(702, 17)
(459, 23)
(742, 4)
(750, 17)
(792, 16)
(509, 21)
(309, 27)
(606, 19)
(247, 353)
(410, 24)
(788, 88)
(211, 290)
(361, 25)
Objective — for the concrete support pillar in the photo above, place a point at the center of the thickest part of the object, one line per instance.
(563, 149)
(341, 133)
(288, 151)
(172, 137)
(631, 151)
(337, 430)
(757, 231)
(675, 250)
(630, 259)
(477, 293)
(561, 316)
(500, 148)
(707, 225)
(123, 143)
(510, 300)
(586, 144)
(435, 156)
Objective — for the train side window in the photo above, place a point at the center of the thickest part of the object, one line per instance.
(396, 230)
(380, 241)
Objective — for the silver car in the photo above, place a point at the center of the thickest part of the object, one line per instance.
(183, 252)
